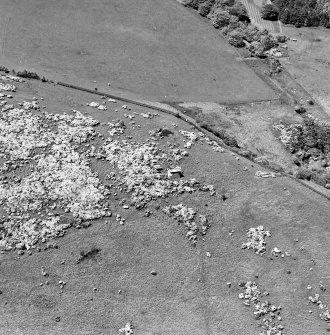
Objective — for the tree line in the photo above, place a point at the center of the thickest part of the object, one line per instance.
(307, 13)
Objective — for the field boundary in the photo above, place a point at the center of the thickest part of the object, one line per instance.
(192, 122)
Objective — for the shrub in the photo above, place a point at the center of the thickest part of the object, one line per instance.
(234, 19)
(269, 12)
(228, 139)
(220, 18)
(205, 8)
(240, 11)
(232, 26)
(281, 38)
(274, 65)
(304, 174)
(268, 42)
(264, 32)
(252, 33)
(88, 254)
(28, 74)
(227, 3)
(3, 68)
(194, 3)
(319, 178)
(256, 49)
(236, 38)
(247, 153)
(221, 4)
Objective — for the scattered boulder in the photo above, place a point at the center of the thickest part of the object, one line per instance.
(262, 161)
(300, 109)
(256, 240)
(127, 330)
(175, 173)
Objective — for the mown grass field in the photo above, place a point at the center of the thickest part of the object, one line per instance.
(309, 61)
(159, 49)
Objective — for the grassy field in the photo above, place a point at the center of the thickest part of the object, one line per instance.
(159, 49)
(189, 293)
(309, 61)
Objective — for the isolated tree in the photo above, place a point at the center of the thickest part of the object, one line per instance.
(233, 26)
(269, 12)
(227, 3)
(281, 38)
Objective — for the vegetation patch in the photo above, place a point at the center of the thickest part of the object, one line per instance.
(84, 255)
(28, 74)
(309, 144)
(231, 17)
(4, 69)
(310, 13)
(269, 12)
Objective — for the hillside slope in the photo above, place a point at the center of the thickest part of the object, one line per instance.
(146, 269)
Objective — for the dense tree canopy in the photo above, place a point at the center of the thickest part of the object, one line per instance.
(309, 13)
(269, 12)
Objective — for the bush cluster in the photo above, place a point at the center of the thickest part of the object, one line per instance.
(236, 38)
(309, 142)
(28, 74)
(205, 7)
(3, 68)
(312, 134)
(231, 17)
(227, 138)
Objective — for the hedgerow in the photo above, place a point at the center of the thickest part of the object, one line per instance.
(28, 74)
